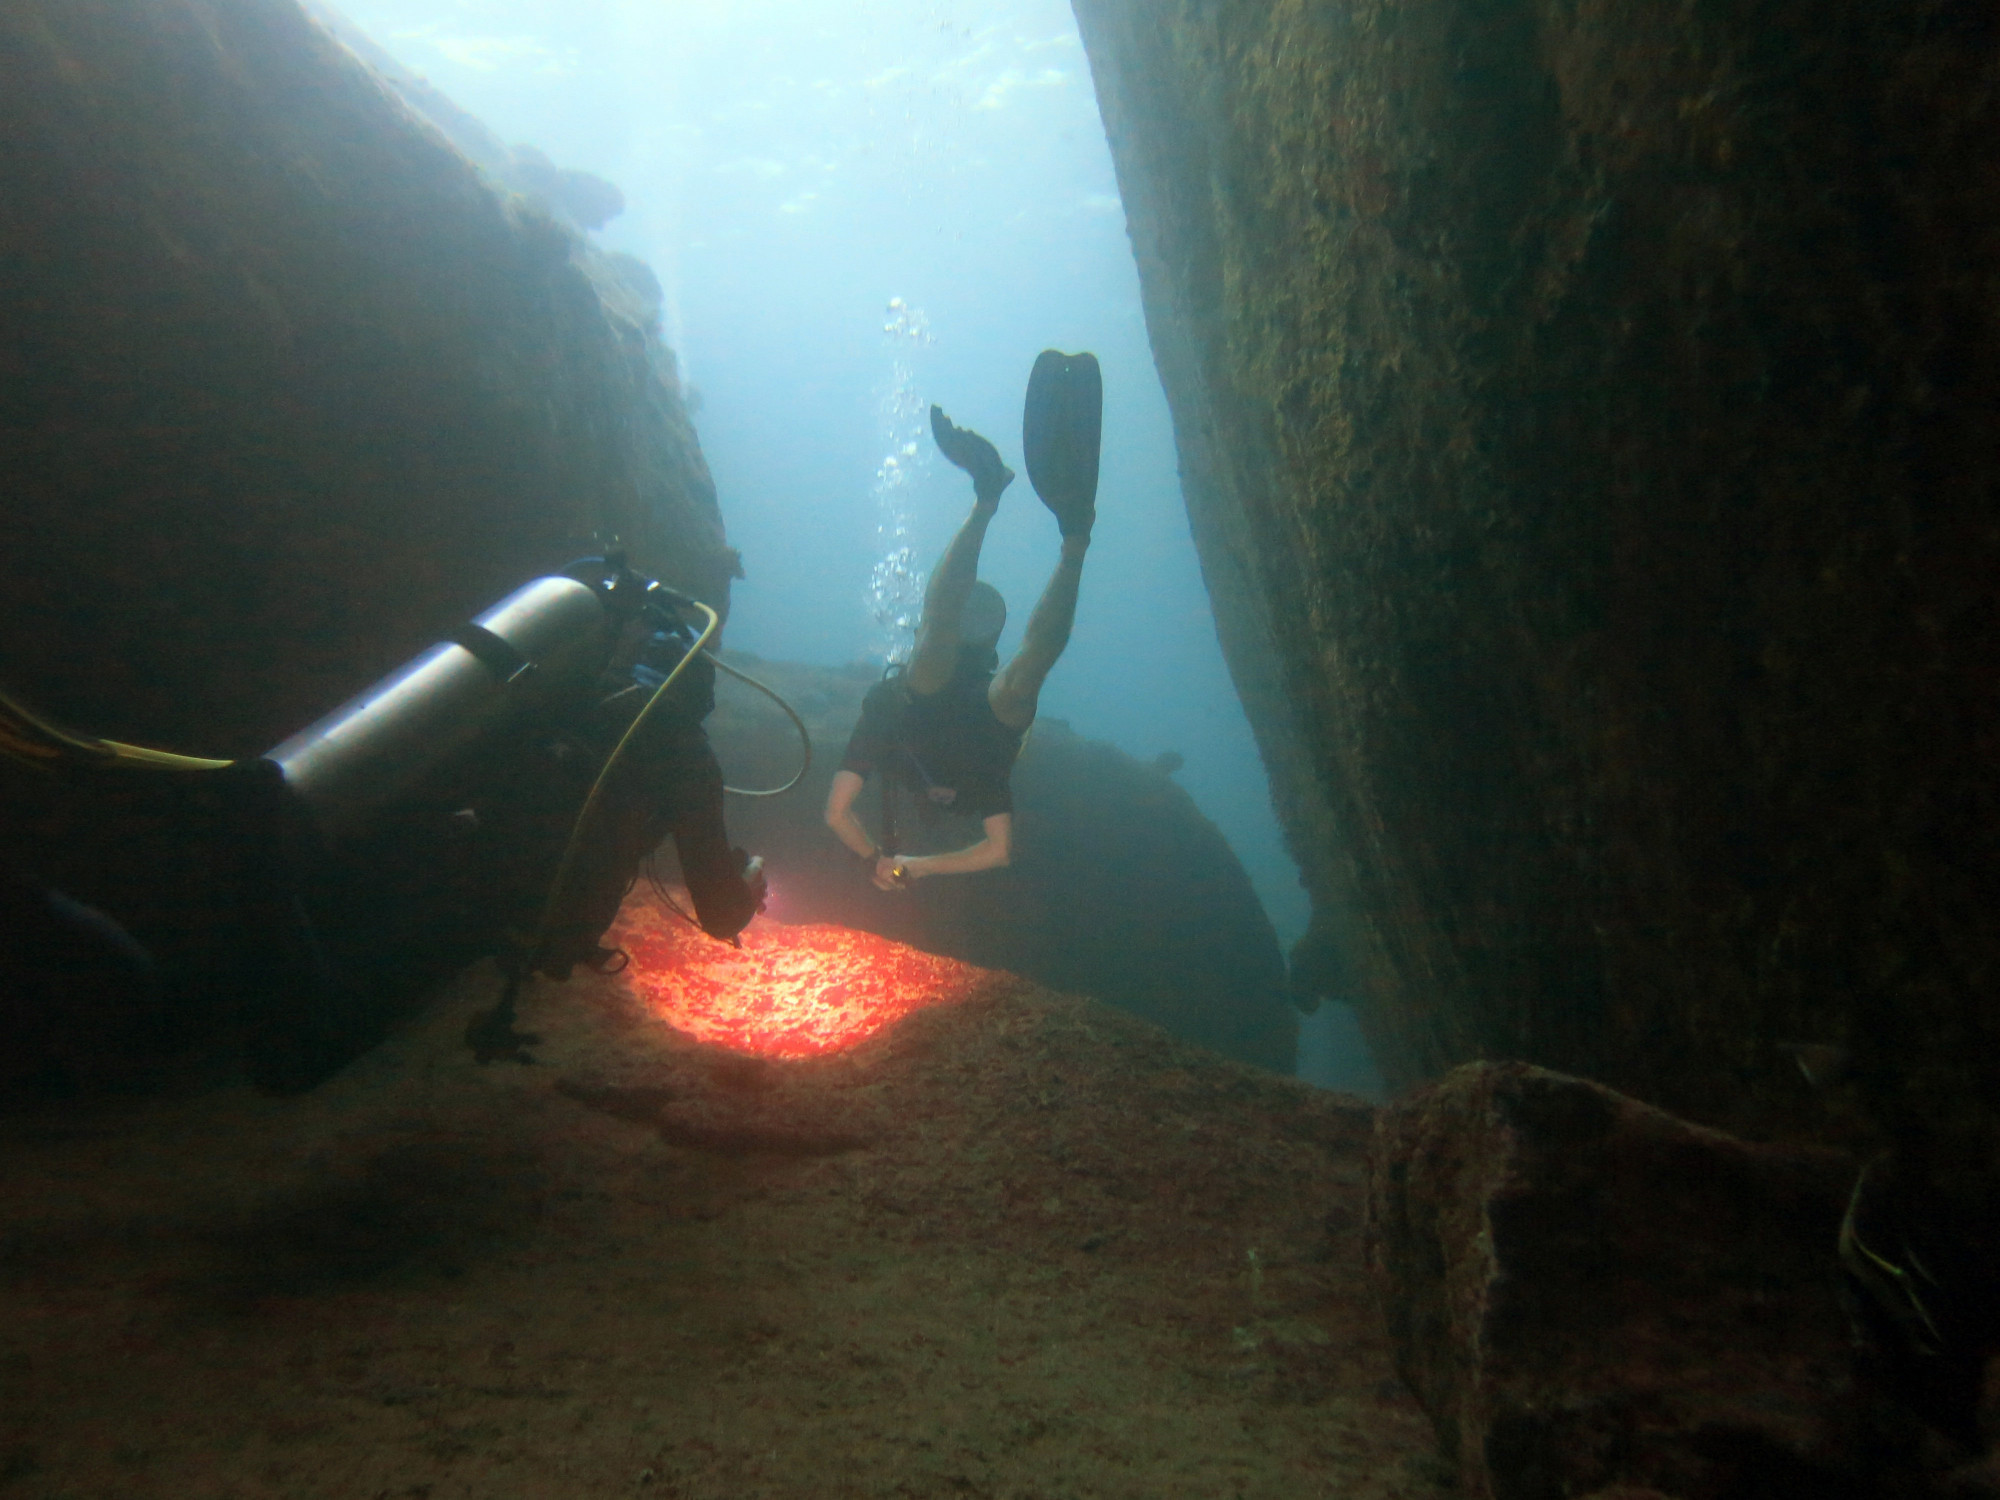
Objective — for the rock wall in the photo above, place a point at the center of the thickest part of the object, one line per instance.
(1591, 1297)
(1587, 418)
(287, 386)
(1119, 888)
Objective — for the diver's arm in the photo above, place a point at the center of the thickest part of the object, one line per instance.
(840, 814)
(990, 853)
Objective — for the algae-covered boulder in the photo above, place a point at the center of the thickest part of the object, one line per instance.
(288, 386)
(1587, 1293)
(1587, 422)
(1119, 887)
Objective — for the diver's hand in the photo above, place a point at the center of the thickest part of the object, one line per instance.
(972, 453)
(892, 873)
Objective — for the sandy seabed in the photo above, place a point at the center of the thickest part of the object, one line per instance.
(1017, 1245)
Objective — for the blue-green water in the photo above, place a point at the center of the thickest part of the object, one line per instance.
(858, 207)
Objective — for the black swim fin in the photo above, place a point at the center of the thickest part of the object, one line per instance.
(1062, 429)
(972, 453)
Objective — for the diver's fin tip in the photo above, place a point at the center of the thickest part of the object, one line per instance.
(1061, 434)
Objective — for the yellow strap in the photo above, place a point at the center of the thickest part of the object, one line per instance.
(163, 760)
(29, 738)
(32, 752)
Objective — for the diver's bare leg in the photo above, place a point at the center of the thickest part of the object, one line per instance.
(1018, 689)
(936, 655)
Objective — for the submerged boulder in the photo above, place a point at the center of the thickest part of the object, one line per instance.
(1119, 887)
(1586, 423)
(289, 389)
(582, 198)
(288, 386)
(1591, 1296)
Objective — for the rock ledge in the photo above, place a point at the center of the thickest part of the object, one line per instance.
(1588, 1294)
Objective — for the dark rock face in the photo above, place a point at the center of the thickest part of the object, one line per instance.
(1119, 888)
(1586, 414)
(1588, 1294)
(585, 200)
(286, 387)
(288, 390)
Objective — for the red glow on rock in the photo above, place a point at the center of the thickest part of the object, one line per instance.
(789, 991)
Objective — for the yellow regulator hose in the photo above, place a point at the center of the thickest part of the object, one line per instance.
(552, 903)
(30, 739)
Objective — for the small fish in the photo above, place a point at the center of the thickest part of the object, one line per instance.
(1822, 1064)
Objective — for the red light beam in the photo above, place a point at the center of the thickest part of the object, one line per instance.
(789, 991)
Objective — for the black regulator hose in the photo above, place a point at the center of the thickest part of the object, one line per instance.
(805, 739)
(609, 574)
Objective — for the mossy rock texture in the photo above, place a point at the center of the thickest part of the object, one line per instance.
(289, 389)
(288, 386)
(1587, 412)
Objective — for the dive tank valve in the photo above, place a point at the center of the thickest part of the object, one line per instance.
(545, 639)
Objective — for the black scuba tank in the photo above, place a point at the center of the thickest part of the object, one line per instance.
(546, 639)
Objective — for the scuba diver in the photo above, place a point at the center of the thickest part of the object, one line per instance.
(949, 726)
(496, 796)
(634, 758)
(666, 783)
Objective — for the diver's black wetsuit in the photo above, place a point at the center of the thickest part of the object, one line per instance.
(667, 783)
(946, 747)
